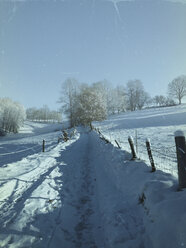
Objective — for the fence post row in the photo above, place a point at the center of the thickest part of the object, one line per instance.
(150, 155)
(181, 157)
(131, 143)
(180, 151)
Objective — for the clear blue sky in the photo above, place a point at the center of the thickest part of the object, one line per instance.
(44, 42)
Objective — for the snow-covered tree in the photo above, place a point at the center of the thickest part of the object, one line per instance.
(170, 102)
(177, 88)
(112, 105)
(55, 116)
(143, 99)
(12, 115)
(121, 98)
(102, 89)
(90, 106)
(43, 114)
(85, 103)
(159, 100)
(30, 114)
(136, 95)
(117, 100)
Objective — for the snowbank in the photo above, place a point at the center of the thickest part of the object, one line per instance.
(148, 205)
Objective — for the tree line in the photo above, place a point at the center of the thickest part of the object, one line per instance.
(84, 103)
(43, 114)
(13, 115)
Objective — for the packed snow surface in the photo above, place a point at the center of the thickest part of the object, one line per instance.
(88, 193)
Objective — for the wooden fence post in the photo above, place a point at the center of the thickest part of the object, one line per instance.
(136, 134)
(43, 145)
(118, 144)
(131, 143)
(65, 136)
(91, 127)
(181, 158)
(150, 155)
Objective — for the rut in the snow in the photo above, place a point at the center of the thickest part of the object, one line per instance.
(84, 208)
(79, 219)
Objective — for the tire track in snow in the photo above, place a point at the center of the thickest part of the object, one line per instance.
(76, 227)
(84, 228)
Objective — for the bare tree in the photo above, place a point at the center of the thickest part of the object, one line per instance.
(131, 94)
(177, 88)
(160, 100)
(70, 89)
(43, 114)
(137, 97)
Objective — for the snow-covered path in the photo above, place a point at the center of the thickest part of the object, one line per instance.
(72, 202)
(93, 213)
(85, 193)
(79, 216)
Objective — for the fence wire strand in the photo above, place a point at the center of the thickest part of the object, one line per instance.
(164, 157)
(30, 148)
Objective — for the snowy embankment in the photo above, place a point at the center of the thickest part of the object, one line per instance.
(28, 141)
(85, 193)
(158, 125)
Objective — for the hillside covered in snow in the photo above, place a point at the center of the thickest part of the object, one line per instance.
(88, 193)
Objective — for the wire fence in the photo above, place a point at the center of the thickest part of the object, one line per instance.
(44, 145)
(20, 151)
(164, 156)
(17, 154)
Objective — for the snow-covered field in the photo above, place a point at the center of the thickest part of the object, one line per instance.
(86, 193)
(29, 141)
(157, 124)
